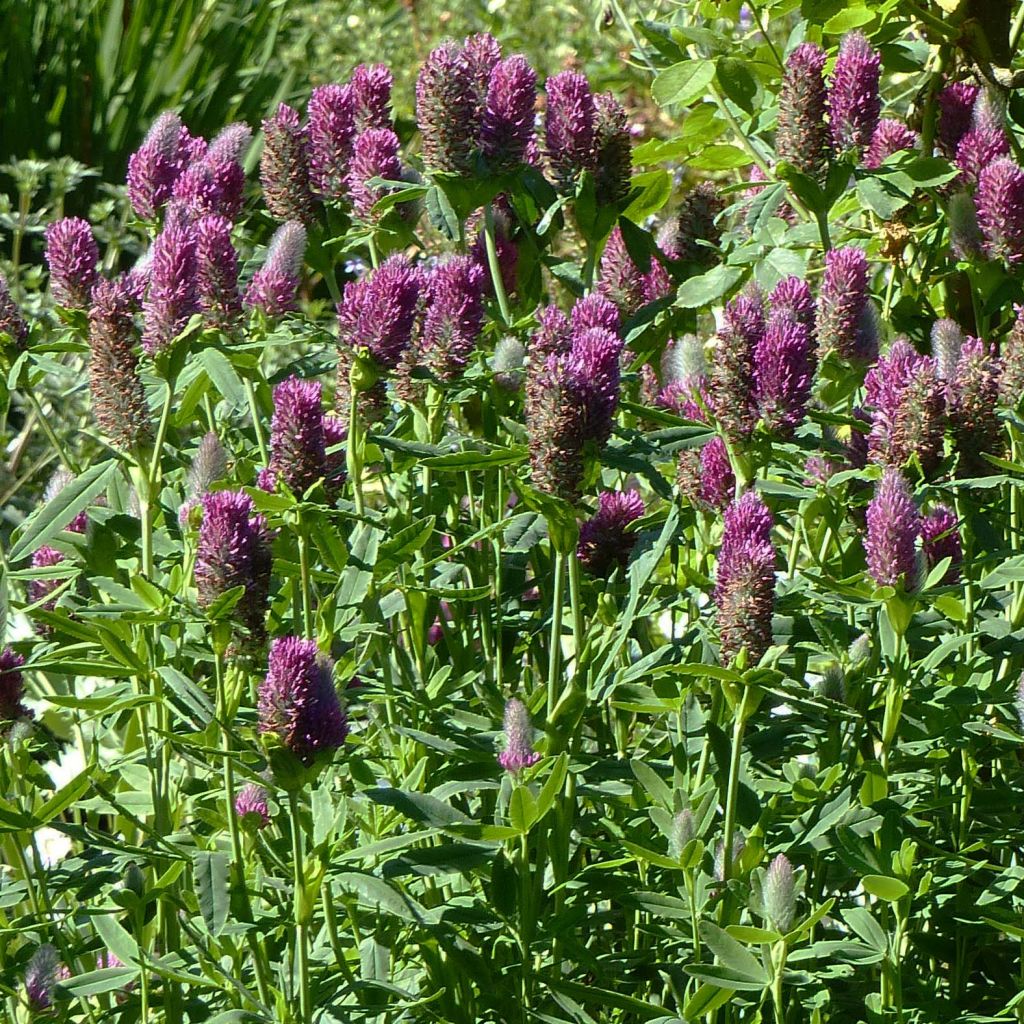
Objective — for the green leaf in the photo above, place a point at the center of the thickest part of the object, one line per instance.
(892, 890)
(376, 894)
(705, 289)
(224, 376)
(49, 520)
(847, 20)
(707, 999)
(683, 83)
(653, 190)
(118, 941)
(737, 82)
(733, 956)
(552, 785)
(211, 872)
(721, 157)
(522, 809)
(65, 797)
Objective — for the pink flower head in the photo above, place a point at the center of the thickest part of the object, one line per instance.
(274, 286)
(518, 753)
(893, 525)
(72, 255)
(604, 541)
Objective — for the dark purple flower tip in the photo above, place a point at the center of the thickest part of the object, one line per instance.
(1000, 205)
(613, 156)
(332, 129)
(802, 135)
(893, 525)
(374, 155)
(842, 302)
(12, 686)
(274, 286)
(155, 166)
(854, 104)
(39, 590)
(12, 321)
(211, 187)
(518, 753)
(234, 551)
(371, 87)
(217, 271)
(940, 538)
(251, 806)
(956, 104)
(449, 109)
(745, 584)
(297, 446)
(791, 300)
(483, 54)
(965, 239)
(732, 384)
(172, 298)
(570, 133)
(594, 310)
(604, 541)
(298, 703)
(784, 367)
(593, 368)
(284, 167)
(977, 150)
(890, 137)
(706, 479)
(72, 255)
(454, 317)
(40, 977)
(619, 279)
(553, 335)
(507, 124)
(377, 313)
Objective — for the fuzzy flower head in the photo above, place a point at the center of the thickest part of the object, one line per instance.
(371, 88)
(1011, 379)
(791, 301)
(284, 167)
(604, 541)
(972, 397)
(956, 104)
(732, 386)
(893, 525)
(594, 310)
(977, 150)
(72, 255)
(716, 480)
(332, 128)
(947, 340)
(569, 127)
(693, 234)
(378, 311)
(890, 137)
(297, 446)
(518, 753)
(842, 302)
(854, 103)
(251, 806)
(507, 362)
(12, 321)
(40, 977)
(778, 894)
(940, 538)
(783, 374)
(683, 832)
(172, 298)
(802, 135)
(298, 703)
(1000, 205)
(448, 109)
(619, 278)
(374, 155)
(965, 238)
(156, 165)
(507, 124)
(12, 686)
(613, 158)
(214, 184)
(454, 317)
(745, 585)
(217, 271)
(274, 286)
(209, 464)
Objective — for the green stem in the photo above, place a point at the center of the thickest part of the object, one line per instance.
(237, 863)
(736, 754)
(300, 909)
(48, 431)
(354, 448)
(257, 426)
(307, 583)
(555, 648)
(495, 266)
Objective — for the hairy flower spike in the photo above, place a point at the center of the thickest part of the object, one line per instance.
(854, 103)
(297, 445)
(454, 317)
(72, 255)
(842, 302)
(12, 321)
(155, 166)
(215, 183)
(779, 894)
(12, 686)
(972, 398)
(570, 129)
(448, 110)
(594, 310)
(977, 150)
(209, 465)
(40, 977)
(890, 137)
(956, 104)
(374, 155)
(692, 235)
(619, 279)
(518, 753)
(947, 340)
(274, 286)
(893, 525)
(1000, 204)
(732, 386)
(802, 135)
(118, 399)
(965, 238)
(172, 296)
(251, 806)
(507, 124)
(745, 585)
(332, 127)
(234, 551)
(604, 541)
(217, 271)
(371, 86)
(284, 167)
(1011, 378)
(783, 375)
(613, 158)
(940, 539)
(298, 703)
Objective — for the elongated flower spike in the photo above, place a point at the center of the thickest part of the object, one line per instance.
(732, 385)
(1011, 379)
(783, 374)
(745, 585)
(332, 129)
(779, 895)
(508, 118)
(893, 526)
(12, 321)
(940, 538)
(447, 109)
(12, 686)
(374, 155)
(284, 167)
(156, 165)
(298, 702)
(454, 317)
(972, 397)
(604, 541)
(1000, 205)
(619, 278)
(209, 465)
(693, 233)
(842, 302)
(214, 184)
(297, 445)
(518, 752)
(41, 977)
(890, 137)
(570, 129)
(274, 286)
(217, 271)
(977, 150)
(613, 158)
(172, 297)
(956, 105)
(802, 136)
(371, 87)
(965, 237)
(947, 340)
(854, 103)
(72, 256)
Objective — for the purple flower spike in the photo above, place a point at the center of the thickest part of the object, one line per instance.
(448, 110)
(940, 539)
(947, 340)
(594, 310)
(298, 703)
(508, 115)
(518, 753)
(209, 464)
(234, 551)
(893, 524)
(251, 806)
(12, 321)
(783, 375)
(371, 86)
(12, 686)
(972, 397)
(454, 318)
(374, 155)
(284, 167)
(72, 255)
(842, 302)
(118, 399)
(332, 127)
(692, 235)
(717, 480)
(482, 53)
(890, 137)
(745, 585)
(155, 166)
(733, 377)
(965, 238)
(854, 103)
(604, 541)
(1011, 379)
(274, 286)
(956, 104)
(172, 297)
(613, 158)
(40, 977)
(791, 301)
(230, 143)
(217, 271)
(1000, 205)
(39, 590)
(377, 312)
(802, 136)
(569, 127)
(619, 279)
(779, 894)
(297, 446)
(979, 149)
